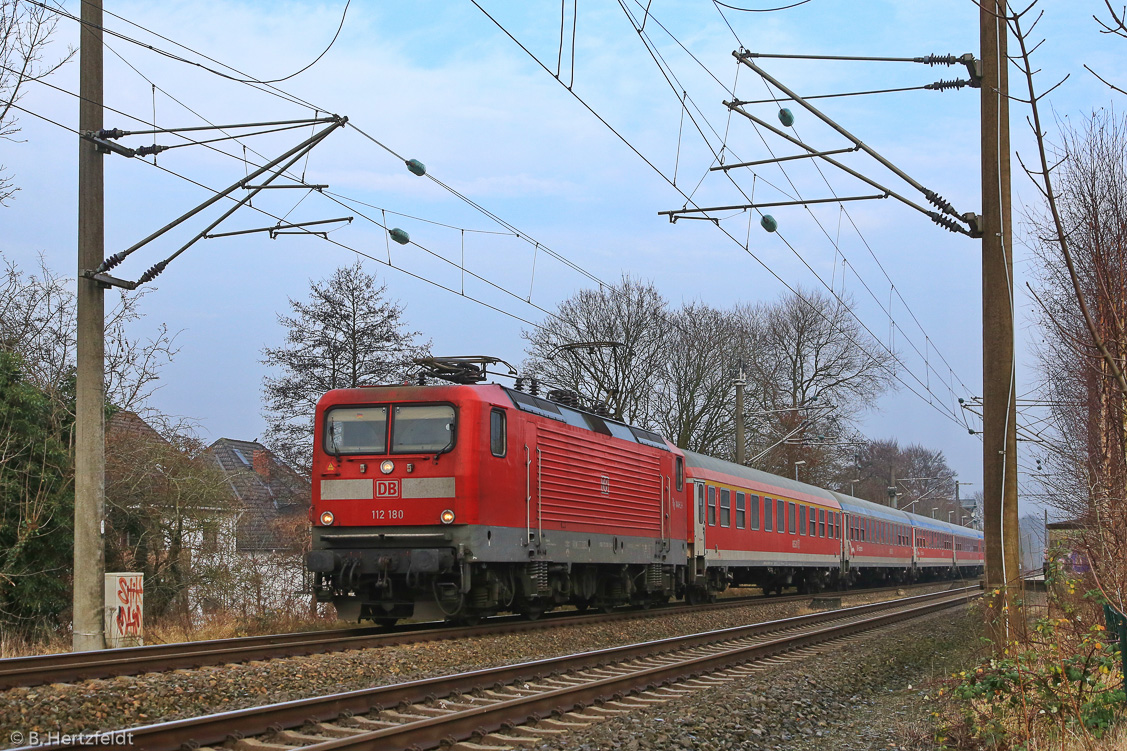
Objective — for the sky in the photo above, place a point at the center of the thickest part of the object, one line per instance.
(578, 167)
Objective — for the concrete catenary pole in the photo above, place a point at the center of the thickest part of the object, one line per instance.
(89, 441)
(999, 418)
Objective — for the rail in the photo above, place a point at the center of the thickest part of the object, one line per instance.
(482, 702)
(76, 666)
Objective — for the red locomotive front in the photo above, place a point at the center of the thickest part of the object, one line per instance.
(462, 500)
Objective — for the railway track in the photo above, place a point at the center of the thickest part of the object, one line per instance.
(78, 666)
(508, 706)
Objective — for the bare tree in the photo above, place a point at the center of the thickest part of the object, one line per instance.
(920, 477)
(818, 370)
(630, 321)
(1082, 294)
(37, 320)
(25, 33)
(163, 495)
(1082, 308)
(347, 335)
(695, 403)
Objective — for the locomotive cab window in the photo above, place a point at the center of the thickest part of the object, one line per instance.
(356, 430)
(497, 437)
(425, 428)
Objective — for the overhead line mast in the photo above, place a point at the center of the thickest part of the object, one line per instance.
(89, 420)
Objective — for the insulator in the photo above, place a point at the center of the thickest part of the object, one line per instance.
(938, 201)
(147, 150)
(945, 222)
(534, 387)
(786, 117)
(110, 262)
(519, 385)
(957, 83)
(111, 133)
(934, 59)
(416, 167)
(152, 273)
(400, 236)
(768, 223)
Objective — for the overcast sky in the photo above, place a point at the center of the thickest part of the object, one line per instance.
(440, 82)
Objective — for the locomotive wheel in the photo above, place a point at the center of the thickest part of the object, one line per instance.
(532, 613)
(385, 622)
(583, 605)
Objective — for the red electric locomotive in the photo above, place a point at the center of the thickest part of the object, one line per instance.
(460, 500)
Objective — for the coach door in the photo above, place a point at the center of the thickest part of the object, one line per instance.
(843, 531)
(698, 521)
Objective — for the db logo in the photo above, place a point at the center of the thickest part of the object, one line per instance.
(387, 488)
(604, 485)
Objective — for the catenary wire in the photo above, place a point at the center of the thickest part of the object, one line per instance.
(656, 57)
(645, 159)
(818, 167)
(274, 90)
(865, 241)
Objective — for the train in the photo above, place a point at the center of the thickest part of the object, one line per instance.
(461, 499)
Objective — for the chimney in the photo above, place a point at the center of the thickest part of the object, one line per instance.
(262, 465)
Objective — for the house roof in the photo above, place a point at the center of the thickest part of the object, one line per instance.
(124, 423)
(267, 489)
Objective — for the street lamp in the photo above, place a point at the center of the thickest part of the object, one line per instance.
(797, 462)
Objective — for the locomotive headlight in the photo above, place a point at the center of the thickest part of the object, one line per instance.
(447, 516)
(386, 466)
(327, 518)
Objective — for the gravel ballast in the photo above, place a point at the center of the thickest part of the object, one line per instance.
(868, 694)
(127, 701)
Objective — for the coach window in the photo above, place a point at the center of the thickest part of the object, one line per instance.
(821, 522)
(753, 502)
(780, 518)
(767, 515)
(837, 525)
(802, 520)
(680, 472)
(741, 510)
(725, 507)
(790, 518)
(813, 524)
(711, 506)
(497, 438)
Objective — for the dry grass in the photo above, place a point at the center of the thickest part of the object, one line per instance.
(221, 625)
